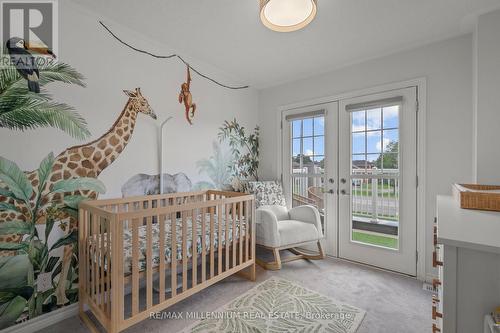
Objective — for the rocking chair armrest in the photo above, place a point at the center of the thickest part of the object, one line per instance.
(267, 227)
(309, 214)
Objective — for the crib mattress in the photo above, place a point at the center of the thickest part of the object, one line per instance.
(127, 244)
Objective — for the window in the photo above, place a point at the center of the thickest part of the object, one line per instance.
(375, 175)
(308, 161)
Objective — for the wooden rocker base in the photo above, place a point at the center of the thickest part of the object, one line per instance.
(276, 264)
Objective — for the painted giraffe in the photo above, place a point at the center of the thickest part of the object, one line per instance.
(87, 160)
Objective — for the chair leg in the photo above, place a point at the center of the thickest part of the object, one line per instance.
(273, 265)
(310, 256)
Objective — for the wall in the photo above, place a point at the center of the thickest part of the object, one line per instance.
(487, 87)
(109, 67)
(447, 66)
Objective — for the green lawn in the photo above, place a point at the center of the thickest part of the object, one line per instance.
(375, 239)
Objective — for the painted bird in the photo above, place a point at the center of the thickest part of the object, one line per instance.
(24, 61)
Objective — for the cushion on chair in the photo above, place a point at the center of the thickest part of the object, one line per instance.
(267, 193)
(294, 232)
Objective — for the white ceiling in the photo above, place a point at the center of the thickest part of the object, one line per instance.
(228, 33)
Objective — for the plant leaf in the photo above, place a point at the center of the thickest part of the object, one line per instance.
(73, 201)
(51, 264)
(15, 227)
(44, 171)
(70, 238)
(84, 183)
(14, 271)
(8, 206)
(15, 179)
(13, 246)
(6, 193)
(9, 312)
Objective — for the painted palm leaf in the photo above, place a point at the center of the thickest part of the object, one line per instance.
(21, 109)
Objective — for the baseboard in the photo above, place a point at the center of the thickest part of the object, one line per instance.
(44, 320)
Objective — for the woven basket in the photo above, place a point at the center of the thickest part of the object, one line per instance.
(474, 196)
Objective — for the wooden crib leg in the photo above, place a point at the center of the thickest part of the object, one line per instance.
(86, 320)
(248, 273)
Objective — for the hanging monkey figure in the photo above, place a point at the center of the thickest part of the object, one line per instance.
(186, 97)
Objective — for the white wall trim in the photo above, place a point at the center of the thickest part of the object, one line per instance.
(421, 84)
(45, 320)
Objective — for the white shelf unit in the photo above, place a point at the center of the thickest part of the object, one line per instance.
(468, 260)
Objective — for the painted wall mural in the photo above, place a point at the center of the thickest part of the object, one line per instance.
(38, 218)
(234, 161)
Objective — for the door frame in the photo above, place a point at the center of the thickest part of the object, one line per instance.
(421, 85)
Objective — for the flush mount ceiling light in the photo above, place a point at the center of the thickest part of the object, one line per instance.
(287, 15)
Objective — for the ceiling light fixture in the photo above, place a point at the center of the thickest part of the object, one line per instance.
(287, 15)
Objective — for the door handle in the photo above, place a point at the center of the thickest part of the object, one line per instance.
(343, 192)
(330, 191)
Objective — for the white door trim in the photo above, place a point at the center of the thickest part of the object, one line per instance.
(421, 84)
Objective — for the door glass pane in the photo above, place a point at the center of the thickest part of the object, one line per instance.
(308, 163)
(375, 177)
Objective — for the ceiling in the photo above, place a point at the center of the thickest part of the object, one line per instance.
(228, 33)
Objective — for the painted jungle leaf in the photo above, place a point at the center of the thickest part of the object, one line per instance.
(13, 246)
(49, 224)
(51, 264)
(8, 294)
(21, 109)
(73, 201)
(15, 227)
(14, 271)
(44, 171)
(10, 311)
(15, 179)
(84, 183)
(6, 193)
(70, 238)
(7, 206)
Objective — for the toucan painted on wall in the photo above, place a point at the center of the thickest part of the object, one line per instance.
(23, 60)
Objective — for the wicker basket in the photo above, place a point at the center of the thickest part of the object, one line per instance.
(474, 196)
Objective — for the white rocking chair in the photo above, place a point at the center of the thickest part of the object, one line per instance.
(278, 228)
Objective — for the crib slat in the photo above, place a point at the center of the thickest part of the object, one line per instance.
(135, 266)
(94, 258)
(227, 236)
(108, 267)
(203, 245)
(149, 263)
(194, 226)
(184, 252)
(173, 254)
(234, 233)
(246, 230)
(101, 262)
(240, 231)
(82, 256)
(212, 236)
(219, 238)
(161, 222)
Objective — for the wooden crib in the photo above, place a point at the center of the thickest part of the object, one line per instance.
(132, 250)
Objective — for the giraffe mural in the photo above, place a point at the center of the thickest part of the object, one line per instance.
(87, 160)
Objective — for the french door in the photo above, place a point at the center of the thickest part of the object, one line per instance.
(310, 166)
(377, 172)
(355, 160)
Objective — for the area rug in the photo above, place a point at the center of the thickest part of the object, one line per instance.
(278, 305)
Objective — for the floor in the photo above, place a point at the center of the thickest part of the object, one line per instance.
(394, 303)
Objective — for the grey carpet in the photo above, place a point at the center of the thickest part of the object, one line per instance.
(393, 303)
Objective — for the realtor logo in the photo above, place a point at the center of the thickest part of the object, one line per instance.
(34, 22)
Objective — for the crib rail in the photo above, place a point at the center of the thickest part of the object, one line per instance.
(140, 255)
